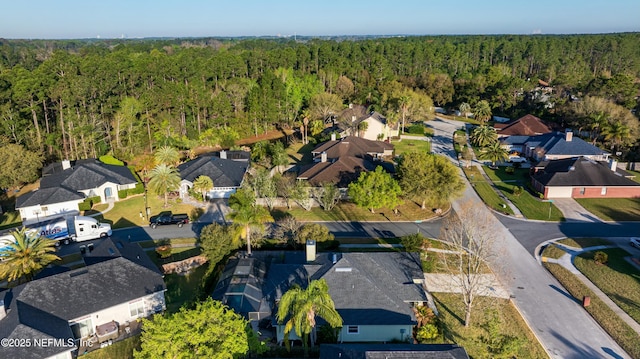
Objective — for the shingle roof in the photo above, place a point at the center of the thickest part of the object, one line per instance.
(223, 172)
(89, 289)
(340, 172)
(527, 125)
(88, 174)
(42, 308)
(580, 172)
(367, 288)
(556, 144)
(395, 351)
(45, 196)
(351, 146)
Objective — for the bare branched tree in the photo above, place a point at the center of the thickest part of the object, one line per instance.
(470, 233)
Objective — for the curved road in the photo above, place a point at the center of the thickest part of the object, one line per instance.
(561, 324)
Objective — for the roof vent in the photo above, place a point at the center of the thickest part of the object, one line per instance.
(119, 245)
(572, 168)
(66, 164)
(111, 251)
(343, 269)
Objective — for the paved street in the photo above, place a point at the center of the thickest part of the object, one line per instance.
(562, 325)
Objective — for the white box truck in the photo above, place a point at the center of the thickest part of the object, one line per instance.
(65, 230)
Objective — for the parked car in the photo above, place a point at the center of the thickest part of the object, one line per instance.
(635, 242)
(165, 218)
(517, 159)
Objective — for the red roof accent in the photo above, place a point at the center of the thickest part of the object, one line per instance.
(528, 125)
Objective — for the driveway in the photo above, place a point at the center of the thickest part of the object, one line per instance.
(573, 211)
(216, 211)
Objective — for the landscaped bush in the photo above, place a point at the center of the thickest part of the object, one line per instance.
(123, 193)
(601, 257)
(110, 160)
(138, 189)
(510, 170)
(416, 129)
(88, 203)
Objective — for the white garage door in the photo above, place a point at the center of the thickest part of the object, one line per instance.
(559, 192)
(221, 193)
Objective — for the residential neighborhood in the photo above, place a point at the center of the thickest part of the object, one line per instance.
(450, 196)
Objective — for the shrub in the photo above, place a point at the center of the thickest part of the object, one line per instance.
(601, 257)
(84, 205)
(110, 160)
(517, 191)
(123, 193)
(510, 170)
(416, 129)
(426, 332)
(164, 251)
(412, 242)
(138, 189)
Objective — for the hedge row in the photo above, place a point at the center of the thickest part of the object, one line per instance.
(138, 189)
(88, 203)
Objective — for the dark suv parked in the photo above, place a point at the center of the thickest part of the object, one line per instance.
(168, 218)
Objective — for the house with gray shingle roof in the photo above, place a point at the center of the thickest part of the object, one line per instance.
(553, 146)
(92, 304)
(580, 177)
(374, 293)
(68, 183)
(227, 169)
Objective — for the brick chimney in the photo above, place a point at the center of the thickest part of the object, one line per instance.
(568, 135)
(223, 155)
(323, 157)
(333, 136)
(310, 250)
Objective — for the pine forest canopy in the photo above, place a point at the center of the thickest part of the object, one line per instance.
(85, 98)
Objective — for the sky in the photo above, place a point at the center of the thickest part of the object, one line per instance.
(73, 19)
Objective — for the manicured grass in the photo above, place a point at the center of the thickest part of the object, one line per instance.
(173, 241)
(462, 119)
(405, 145)
(126, 213)
(636, 174)
(620, 331)
(613, 209)
(451, 314)
(182, 289)
(347, 211)
(299, 153)
(584, 242)
(618, 279)
(486, 191)
(118, 350)
(551, 251)
(531, 207)
(500, 174)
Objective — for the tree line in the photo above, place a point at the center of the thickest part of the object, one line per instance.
(79, 98)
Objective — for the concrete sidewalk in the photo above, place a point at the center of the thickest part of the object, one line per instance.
(567, 262)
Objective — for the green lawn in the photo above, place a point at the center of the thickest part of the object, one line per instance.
(531, 207)
(177, 254)
(613, 209)
(552, 251)
(486, 191)
(451, 312)
(500, 174)
(347, 211)
(406, 145)
(584, 242)
(620, 331)
(636, 174)
(618, 279)
(118, 350)
(10, 219)
(126, 213)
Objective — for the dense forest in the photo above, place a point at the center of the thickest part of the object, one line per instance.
(85, 98)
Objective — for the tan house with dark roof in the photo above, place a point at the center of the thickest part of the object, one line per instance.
(340, 161)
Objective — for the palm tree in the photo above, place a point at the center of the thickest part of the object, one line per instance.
(362, 128)
(494, 153)
(484, 135)
(164, 179)
(299, 308)
(26, 256)
(482, 111)
(247, 213)
(616, 133)
(167, 155)
(316, 127)
(599, 121)
(465, 108)
(203, 184)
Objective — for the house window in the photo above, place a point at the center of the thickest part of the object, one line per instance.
(603, 191)
(353, 329)
(137, 309)
(82, 328)
(582, 190)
